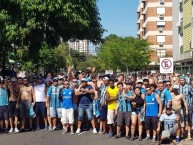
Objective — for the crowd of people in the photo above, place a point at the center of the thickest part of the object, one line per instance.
(118, 106)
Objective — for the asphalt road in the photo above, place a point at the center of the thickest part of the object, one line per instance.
(42, 137)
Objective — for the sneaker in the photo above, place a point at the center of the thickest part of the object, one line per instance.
(46, 128)
(54, 128)
(50, 128)
(189, 137)
(78, 130)
(37, 128)
(94, 131)
(22, 130)
(153, 140)
(72, 132)
(110, 134)
(177, 140)
(11, 130)
(100, 131)
(64, 131)
(146, 139)
(16, 130)
(140, 138)
(117, 136)
(6, 130)
(127, 137)
(132, 138)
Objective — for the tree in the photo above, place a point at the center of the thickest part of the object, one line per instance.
(37, 22)
(124, 53)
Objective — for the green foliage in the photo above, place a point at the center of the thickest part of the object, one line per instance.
(34, 23)
(123, 53)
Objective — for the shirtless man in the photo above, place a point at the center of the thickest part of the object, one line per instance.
(26, 95)
(13, 111)
(177, 99)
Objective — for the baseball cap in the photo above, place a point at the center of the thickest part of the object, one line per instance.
(168, 107)
(105, 79)
(83, 80)
(140, 81)
(145, 80)
(13, 80)
(176, 87)
(55, 79)
(182, 78)
(48, 79)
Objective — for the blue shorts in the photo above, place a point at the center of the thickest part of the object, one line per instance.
(103, 112)
(136, 111)
(85, 108)
(55, 112)
(40, 109)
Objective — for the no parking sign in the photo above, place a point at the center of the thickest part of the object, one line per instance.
(166, 65)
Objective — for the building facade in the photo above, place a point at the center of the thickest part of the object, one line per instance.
(155, 25)
(183, 40)
(79, 45)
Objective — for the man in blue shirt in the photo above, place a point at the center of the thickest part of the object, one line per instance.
(85, 104)
(67, 95)
(123, 110)
(53, 103)
(3, 106)
(187, 91)
(153, 110)
(165, 96)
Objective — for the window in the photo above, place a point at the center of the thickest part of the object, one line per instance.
(160, 10)
(161, 24)
(161, 39)
(161, 53)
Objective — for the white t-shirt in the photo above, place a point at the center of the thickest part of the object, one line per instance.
(169, 120)
(40, 94)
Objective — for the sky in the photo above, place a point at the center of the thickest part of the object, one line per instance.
(118, 17)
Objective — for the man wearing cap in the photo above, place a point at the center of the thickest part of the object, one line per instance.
(13, 111)
(171, 124)
(85, 104)
(187, 90)
(40, 97)
(145, 82)
(103, 105)
(4, 110)
(53, 102)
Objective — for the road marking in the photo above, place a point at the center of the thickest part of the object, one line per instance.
(82, 132)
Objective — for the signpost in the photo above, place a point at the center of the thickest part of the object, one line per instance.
(166, 65)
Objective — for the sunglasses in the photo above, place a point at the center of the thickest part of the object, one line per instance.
(74, 81)
(168, 85)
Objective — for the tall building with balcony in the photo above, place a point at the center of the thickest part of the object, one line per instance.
(79, 45)
(183, 35)
(155, 25)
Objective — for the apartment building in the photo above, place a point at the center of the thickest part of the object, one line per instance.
(183, 32)
(154, 24)
(79, 45)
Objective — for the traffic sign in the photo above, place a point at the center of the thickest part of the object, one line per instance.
(166, 65)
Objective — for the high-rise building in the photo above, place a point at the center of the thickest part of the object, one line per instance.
(183, 35)
(155, 25)
(79, 45)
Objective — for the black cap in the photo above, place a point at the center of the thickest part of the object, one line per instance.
(168, 107)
